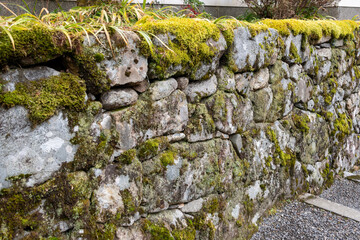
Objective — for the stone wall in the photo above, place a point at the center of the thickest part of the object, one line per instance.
(161, 147)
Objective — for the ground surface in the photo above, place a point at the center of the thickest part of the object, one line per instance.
(298, 220)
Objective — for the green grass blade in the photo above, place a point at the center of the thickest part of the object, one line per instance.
(9, 34)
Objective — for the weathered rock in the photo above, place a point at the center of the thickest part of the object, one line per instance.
(250, 52)
(340, 62)
(147, 119)
(142, 86)
(236, 140)
(323, 72)
(162, 89)
(338, 42)
(201, 125)
(242, 82)
(279, 71)
(115, 99)
(193, 207)
(314, 140)
(37, 152)
(133, 233)
(109, 199)
(295, 51)
(226, 79)
(205, 68)
(127, 66)
(324, 54)
(303, 90)
(261, 101)
(229, 112)
(353, 107)
(176, 137)
(260, 79)
(199, 72)
(295, 72)
(183, 82)
(347, 157)
(20, 75)
(197, 90)
(210, 161)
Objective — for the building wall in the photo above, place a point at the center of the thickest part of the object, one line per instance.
(346, 9)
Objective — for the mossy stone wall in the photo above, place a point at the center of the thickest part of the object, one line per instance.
(194, 137)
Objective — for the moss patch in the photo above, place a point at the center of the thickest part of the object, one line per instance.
(84, 65)
(189, 48)
(314, 30)
(152, 147)
(44, 97)
(156, 231)
(301, 122)
(34, 44)
(167, 158)
(127, 157)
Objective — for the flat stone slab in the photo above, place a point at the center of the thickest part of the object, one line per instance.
(352, 177)
(331, 206)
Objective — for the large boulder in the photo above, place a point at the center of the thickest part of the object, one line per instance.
(32, 152)
(253, 52)
(147, 119)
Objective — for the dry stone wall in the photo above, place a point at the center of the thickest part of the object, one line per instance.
(183, 153)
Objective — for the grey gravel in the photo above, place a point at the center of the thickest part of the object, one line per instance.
(299, 220)
(344, 192)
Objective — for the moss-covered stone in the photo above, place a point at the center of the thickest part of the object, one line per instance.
(301, 122)
(127, 157)
(167, 158)
(84, 64)
(43, 98)
(152, 147)
(35, 44)
(190, 48)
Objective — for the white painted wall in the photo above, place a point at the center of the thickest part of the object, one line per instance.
(239, 3)
(350, 3)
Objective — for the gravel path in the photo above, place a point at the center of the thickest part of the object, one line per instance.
(345, 192)
(301, 221)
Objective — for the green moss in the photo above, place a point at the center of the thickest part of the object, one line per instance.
(188, 233)
(200, 120)
(314, 30)
(248, 205)
(204, 227)
(156, 231)
(167, 158)
(92, 152)
(285, 158)
(305, 171)
(35, 44)
(328, 176)
(342, 127)
(43, 98)
(301, 122)
(127, 157)
(84, 65)
(328, 116)
(268, 161)
(98, 57)
(212, 206)
(152, 147)
(189, 49)
(129, 204)
(218, 105)
(294, 53)
(357, 72)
